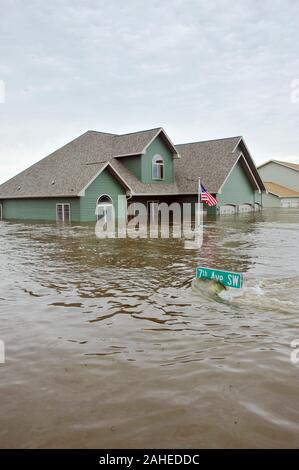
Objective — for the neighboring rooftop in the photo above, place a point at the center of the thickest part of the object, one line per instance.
(294, 166)
(280, 191)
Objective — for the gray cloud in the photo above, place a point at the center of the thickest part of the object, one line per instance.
(200, 70)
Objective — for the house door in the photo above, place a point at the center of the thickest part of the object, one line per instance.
(105, 210)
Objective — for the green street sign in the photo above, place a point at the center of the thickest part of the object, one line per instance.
(226, 278)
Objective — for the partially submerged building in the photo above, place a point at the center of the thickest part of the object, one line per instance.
(97, 167)
(281, 180)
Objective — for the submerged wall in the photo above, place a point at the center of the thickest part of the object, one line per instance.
(38, 209)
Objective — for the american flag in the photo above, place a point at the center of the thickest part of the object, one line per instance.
(207, 197)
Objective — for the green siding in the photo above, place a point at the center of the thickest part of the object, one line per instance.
(160, 148)
(133, 164)
(281, 175)
(38, 209)
(259, 197)
(237, 189)
(82, 209)
(106, 184)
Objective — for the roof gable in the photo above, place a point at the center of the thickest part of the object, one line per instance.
(136, 143)
(212, 161)
(249, 165)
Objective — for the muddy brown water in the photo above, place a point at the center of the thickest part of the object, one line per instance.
(108, 346)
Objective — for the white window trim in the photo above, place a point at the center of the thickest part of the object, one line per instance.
(63, 204)
(160, 165)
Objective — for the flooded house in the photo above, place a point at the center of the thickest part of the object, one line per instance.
(281, 180)
(97, 167)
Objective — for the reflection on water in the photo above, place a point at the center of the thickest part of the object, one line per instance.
(108, 346)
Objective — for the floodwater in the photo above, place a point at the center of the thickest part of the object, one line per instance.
(108, 346)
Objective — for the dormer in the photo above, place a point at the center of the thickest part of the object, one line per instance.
(154, 163)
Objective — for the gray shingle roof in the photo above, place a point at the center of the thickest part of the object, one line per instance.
(134, 142)
(67, 171)
(67, 168)
(212, 161)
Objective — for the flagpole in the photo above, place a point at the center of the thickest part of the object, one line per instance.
(199, 202)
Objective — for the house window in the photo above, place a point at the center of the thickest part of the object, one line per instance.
(63, 212)
(157, 168)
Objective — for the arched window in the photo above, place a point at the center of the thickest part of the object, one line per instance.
(157, 168)
(105, 199)
(104, 208)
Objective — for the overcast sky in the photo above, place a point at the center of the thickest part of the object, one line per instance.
(200, 69)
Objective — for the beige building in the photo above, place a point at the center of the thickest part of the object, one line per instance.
(281, 180)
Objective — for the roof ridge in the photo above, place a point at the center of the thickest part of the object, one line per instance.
(100, 132)
(211, 140)
(286, 163)
(139, 132)
(281, 162)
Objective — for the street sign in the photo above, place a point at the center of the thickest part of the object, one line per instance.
(226, 278)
